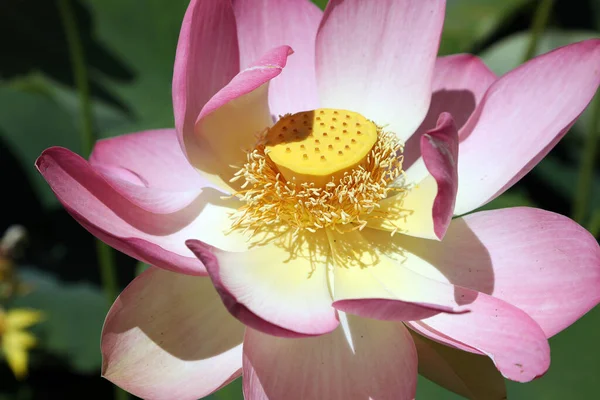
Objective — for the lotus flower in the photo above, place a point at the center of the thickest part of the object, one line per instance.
(299, 216)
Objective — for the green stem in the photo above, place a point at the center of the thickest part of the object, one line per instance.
(105, 258)
(80, 74)
(104, 252)
(540, 19)
(594, 227)
(106, 261)
(586, 169)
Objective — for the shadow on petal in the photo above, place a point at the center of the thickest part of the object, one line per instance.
(438, 260)
(459, 103)
(168, 336)
(363, 359)
(175, 316)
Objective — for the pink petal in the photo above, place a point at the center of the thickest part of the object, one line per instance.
(459, 83)
(541, 262)
(369, 279)
(168, 336)
(439, 148)
(152, 155)
(425, 209)
(265, 24)
(158, 239)
(149, 169)
(512, 339)
(522, 116)
(272, 288)
(229, 123)
(368, 360)
(203, 65)
(381, 267)
(377, 58)
(469, 375)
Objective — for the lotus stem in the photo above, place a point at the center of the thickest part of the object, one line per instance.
(540, 20)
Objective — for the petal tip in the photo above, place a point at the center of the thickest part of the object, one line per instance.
(439, 147)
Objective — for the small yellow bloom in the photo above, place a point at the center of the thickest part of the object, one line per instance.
(14, 340)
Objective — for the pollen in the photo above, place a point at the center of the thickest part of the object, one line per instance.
(334, 181)
(301, 164)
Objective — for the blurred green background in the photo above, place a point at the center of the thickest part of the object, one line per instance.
(129, 47)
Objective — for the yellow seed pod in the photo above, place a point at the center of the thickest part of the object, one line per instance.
(320, 146)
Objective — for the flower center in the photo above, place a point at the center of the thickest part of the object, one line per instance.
(317, 169)
(320, 146)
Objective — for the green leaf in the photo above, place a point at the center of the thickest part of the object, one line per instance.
(74, 313)
(233, 391)
(513, 198)
(140, 267)
(471, 21)
(575, 366)
(37, 113)
(562, 177)
(144, 37)
(320, 3)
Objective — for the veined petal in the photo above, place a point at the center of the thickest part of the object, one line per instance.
(383, 279)
(425, 209)
(231, 120)
(158, 239)
(265, 24)
(369, 280)
(541, 262)
(522, 116)
(279, 286)
(153, 156)
(511, 338)
(470, 375)
(377, 58)
(367, 359)
(149, 169)
(168, 336)
(459, 83)
(203, 65)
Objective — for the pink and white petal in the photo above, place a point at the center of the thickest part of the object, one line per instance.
(514, 341)
(149, 169)
(425, 209)
(203, 65)
(229, 123)
(369, 279)
(168, 336)
(154, 200)
(522, 116)
(470, 375)
(426, 331)
(377, 58)
(153, 157)
(278, 286)
(368, 360)
(265, 24)
(459, 83)
(150, 237)
(542, 262)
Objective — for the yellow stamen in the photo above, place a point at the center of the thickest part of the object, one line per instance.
(296, 188)
(320, 146)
